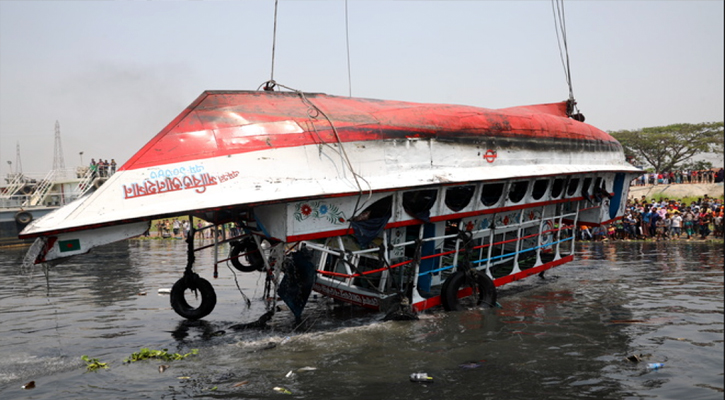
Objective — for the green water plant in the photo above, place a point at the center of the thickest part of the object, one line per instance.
(145, 354)
(92, 364)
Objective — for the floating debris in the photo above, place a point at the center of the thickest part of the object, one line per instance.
(141, 293)
(183, 377)
(281, 390)
(305, 369)
(655, 366)
(165, 291)
(163, 368)
(635, 357)
(470, 365)
(289, 374)
(29, 385)
(242, 383)
(421, 377)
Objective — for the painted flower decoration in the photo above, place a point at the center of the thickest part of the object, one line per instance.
(323, 209)
(306, 209)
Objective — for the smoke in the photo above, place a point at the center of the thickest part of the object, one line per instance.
(110, 110)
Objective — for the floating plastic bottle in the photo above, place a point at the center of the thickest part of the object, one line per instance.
(655, 366)
(421, 377)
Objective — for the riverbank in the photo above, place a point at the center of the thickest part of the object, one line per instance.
(678, 191)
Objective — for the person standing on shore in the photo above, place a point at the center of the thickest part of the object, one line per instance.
(660, 228)
(676, 224)
(717, 221)
(654, 216)
(688, 220)
(704, 219)
(176, 227)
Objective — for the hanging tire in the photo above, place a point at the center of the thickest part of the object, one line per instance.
(182, 307)
(23, 217)
(483, 295)
(252, 258)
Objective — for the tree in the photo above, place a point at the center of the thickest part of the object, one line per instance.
(666, 147)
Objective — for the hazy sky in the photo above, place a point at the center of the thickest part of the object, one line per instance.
(114, 73)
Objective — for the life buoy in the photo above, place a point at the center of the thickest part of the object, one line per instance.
(251, 259)
(484, 289)
(23, 217)
(182, 307)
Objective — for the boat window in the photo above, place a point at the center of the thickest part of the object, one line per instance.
(586, 187)
(458, 197)
(539, 189)
(571, 189)
(379, 209)
(491, 193)
(518, 191)
(368, 224)
(557, 188)
(418, 203)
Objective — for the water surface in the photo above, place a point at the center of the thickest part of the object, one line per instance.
(563, 337)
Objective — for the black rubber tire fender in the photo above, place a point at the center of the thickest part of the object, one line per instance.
(252, 259)
(182, 307)
(23, 217)
(455, 282)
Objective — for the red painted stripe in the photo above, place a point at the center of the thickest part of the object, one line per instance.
(212, 126)
(436, 300)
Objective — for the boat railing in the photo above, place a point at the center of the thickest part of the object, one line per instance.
(86, 183)
(16, 182)
(550, 236)
(41, 190)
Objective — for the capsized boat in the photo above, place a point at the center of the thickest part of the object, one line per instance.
(389, 205)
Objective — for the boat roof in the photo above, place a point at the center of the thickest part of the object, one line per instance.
(221, 123)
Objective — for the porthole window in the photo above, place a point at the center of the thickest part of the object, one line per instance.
(518, 191)
(368, 224)
(380, 209)
(458, 197)
(586, 187)
(557, 188)
(571, 189)
(418, 203)
(539, 189)
(491, 193)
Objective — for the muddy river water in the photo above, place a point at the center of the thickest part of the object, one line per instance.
(567, 336)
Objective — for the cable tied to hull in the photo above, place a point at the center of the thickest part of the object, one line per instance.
(313, 113)
(557, 6)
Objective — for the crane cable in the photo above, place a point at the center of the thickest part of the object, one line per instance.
(347, 43)
(557, 7)
(274, 42)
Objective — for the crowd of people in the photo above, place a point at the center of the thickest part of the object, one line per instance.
(102, 168)
(680, 177)
(663, 220)
(181, 229)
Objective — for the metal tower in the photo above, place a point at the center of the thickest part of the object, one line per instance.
(58, 162)
(18, 162)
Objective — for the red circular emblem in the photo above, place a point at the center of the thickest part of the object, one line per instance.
(490, 155)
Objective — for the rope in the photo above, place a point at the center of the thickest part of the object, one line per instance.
(557, 6)
(313, 113)
(347, 42)
(274, 41)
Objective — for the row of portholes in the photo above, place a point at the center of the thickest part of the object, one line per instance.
(418, 203)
